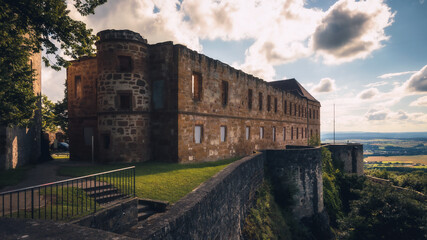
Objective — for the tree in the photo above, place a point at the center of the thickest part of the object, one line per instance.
(31, 26)
(384, 213)
(61, 112)
(48, 116)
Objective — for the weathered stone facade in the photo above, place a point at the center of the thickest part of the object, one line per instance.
(19, 146)
(350, 155)
(181, 106)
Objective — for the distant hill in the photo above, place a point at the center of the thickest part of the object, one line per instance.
(373, 135)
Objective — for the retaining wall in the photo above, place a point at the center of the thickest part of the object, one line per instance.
(350, 155)
(117, 218)
(297, 173)
(215, 210)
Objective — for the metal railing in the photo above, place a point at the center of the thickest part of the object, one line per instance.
(68, 199)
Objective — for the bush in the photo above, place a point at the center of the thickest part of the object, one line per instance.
(265, 219)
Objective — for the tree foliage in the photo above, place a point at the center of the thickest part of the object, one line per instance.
(381, 212)
(331, 194)
(48, 116)
(31, 26)
(54, 115)
(314, 141)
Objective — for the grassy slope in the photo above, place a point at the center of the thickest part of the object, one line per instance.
(161, 181)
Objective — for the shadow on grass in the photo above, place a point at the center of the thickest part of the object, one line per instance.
(12, 177)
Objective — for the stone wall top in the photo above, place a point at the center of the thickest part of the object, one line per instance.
(111, 35)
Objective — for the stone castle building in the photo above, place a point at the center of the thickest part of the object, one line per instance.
(165, 102)
(19, 145)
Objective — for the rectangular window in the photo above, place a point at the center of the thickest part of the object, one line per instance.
(292, 133)
(125, 64)
(223, 132)
(105, 140)
(309, 110)
(125, 101)
(224, 93)
(284, 133)
(87, 135)
(261, 132)
(290, 108)
(299, 111)
(248, 132)
(77, 86)
(286, 107)
(295, 109)
(268, 103)
(260, 101)
(297, 133)
(311, 133)
(196, 86)
(198, 133)
(275, 105)
(305, 132)
(249, 99)
(274, 134)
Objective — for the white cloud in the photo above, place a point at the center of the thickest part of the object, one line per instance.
(282, 30)
(351, 30)
(420, 102)
(375, 115)
(325, 85)
(376, 84)
(418, 81)
(53, 83)
(390, 75)
(368, 93)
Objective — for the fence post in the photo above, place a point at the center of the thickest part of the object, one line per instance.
(94, 204)
(134, 195)
(32, 203)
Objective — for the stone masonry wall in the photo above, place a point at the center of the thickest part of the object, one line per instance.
(124, 135)
(351, 155)
(210, 113)
(117, 218)
(214, 210)
(82, 108)
(298, 172)
(161, 124)
(164, 121)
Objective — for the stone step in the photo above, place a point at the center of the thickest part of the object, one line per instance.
(107, 199)
(158, 206)
(144, 215)
(100, 187)
(143, 208)
(103, 192)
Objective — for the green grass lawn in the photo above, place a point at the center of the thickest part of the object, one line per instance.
(161, 181)
(12, 177)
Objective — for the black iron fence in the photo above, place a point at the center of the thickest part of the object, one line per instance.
(69, 199)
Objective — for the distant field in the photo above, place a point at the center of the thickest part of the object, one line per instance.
(403, 159)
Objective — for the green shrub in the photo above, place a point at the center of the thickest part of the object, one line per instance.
(265, 219)
(331, 194)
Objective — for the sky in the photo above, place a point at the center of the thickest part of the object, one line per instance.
(366, 58)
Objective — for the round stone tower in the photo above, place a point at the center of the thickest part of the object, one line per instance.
(123, 97)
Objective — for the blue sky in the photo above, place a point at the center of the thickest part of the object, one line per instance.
(369, 58)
